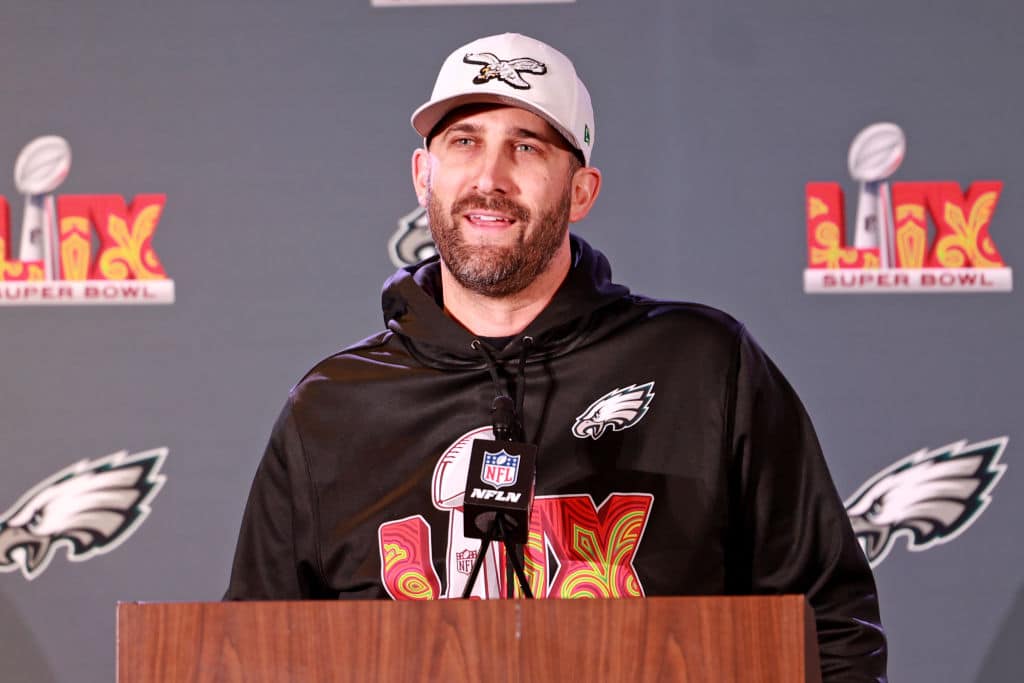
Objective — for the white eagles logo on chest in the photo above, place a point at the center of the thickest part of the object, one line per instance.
(89, 508)
(617, 410)
(929, 497)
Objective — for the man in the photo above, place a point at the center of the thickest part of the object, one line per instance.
(674, 459)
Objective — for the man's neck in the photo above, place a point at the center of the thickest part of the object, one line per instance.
(506, 316)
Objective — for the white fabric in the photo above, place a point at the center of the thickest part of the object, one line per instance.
(557, 94)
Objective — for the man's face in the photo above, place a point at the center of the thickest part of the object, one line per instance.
(498, 192)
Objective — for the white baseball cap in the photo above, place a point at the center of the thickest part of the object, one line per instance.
(519, 71)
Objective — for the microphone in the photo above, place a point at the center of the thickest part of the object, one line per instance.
(503, 417)
(497, 502)
(499, 492)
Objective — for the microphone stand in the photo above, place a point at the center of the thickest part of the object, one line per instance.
(496, 532)
(503, 411)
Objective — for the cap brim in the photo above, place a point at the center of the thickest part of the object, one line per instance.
(430, 114)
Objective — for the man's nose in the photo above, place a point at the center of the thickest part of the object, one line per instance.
(494, 174)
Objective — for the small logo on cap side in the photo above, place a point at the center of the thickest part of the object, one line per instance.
(586, 134)
(506, 71)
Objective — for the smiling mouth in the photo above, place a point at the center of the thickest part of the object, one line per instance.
(486, 220)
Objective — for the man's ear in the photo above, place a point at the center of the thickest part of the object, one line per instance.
(586, 185)
(421, 174)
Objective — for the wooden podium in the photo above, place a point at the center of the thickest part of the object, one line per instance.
(697, 639)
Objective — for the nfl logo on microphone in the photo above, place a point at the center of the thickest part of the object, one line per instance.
(500, 469)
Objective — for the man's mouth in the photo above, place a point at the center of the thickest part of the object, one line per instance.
(488, 219)
(490, 213)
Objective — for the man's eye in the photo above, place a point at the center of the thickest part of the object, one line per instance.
(524, 147)
(462, 142)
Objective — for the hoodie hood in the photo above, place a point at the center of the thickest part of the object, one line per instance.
(413, 309)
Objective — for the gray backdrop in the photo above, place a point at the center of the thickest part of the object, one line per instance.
(279, 133)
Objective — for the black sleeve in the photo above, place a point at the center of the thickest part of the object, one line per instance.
(792, 533)
(277, 556)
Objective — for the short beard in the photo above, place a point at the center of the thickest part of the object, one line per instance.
(498, 271)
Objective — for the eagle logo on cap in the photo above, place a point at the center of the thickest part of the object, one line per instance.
(506, 71)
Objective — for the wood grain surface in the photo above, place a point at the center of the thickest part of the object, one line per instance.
(700, 639)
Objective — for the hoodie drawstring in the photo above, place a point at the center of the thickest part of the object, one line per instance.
(506, 414)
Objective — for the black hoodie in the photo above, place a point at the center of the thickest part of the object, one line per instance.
(674, 459)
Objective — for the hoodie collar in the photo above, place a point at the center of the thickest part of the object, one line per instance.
(411, 302)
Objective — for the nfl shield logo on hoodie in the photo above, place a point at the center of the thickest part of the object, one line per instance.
(499, 469)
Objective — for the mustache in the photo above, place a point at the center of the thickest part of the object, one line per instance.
(500, 204)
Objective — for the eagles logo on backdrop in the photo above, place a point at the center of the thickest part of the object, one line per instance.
(411, 242)
(56, 262)
(929, 497)
(88, 508)
(891, 250)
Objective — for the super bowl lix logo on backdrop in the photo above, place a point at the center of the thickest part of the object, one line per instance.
(891, 250)
(78, 249)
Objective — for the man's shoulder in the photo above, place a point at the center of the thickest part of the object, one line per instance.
(364, 360)
(687, 318)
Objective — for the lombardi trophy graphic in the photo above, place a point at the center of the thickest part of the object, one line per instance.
(875, 154)
(448, 489)
(39, 170)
